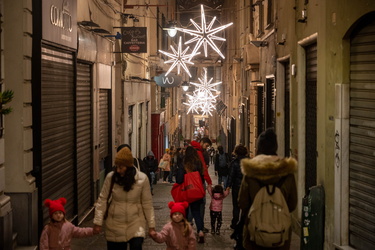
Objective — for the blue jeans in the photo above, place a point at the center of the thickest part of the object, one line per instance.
(134, 244)
(152, 174)
(195, 209)
(223, 178)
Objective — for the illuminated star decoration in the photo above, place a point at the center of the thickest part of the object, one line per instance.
(203, 98)
(204, 34)
(179, 58)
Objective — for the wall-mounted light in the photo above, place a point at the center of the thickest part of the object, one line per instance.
(185, 86)
(171, 29)
(303, 17)
(259, 43)
(283, 40)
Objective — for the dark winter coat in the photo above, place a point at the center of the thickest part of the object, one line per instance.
(222, 171)
(150, 162)
(262, 170)
(235, 174)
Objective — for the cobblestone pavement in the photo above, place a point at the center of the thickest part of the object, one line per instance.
(160, 199)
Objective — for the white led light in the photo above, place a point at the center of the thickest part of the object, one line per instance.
(203, 99)
(204, 34)
(179, 58)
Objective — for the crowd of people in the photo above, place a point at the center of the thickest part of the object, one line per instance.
(125, 204)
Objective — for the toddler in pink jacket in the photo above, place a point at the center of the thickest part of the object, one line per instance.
(58, 233)
(217, 196)
(177, 234)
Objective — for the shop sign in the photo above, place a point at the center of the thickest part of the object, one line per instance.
(59, 22)
(134, 40)
(169, 81)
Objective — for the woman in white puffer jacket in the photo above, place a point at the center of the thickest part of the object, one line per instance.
(130, 208)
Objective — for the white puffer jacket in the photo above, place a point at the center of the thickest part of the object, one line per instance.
(128, 211)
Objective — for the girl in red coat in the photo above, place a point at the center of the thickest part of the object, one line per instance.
(59, 232)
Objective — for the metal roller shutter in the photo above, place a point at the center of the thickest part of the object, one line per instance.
(270, 103)
(84, 137)
(311, 115)
(57, 127)
(362, 139)
(103, 123)
(287, 111)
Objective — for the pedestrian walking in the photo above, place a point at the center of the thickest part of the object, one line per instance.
(222, 161)
(125, 205)
(58, 233)
(212, 153)
(216, 206)
(266, 168)
(201, 148)
(234, 181)
(178, 233)
(192, 163)
(152, 167)
(172, 153)
(165, 162)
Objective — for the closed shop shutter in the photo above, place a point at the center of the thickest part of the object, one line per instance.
(311, 115)
(287, 110)
(260, 109)
(103, 123)
(362, 139)
(84, 137)
(270, 103)
(57, 127)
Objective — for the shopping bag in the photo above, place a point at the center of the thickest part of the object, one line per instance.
(162, 164)
(190, 190)
(178, 193)
(193, 186)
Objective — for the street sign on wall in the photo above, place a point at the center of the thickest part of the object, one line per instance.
(169, 81)
(134, 40)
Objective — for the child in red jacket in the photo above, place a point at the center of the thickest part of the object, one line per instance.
(177, 234)
(58, 233)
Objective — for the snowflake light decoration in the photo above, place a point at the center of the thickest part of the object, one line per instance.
(179, 58)
(203, 98)
(204, 34)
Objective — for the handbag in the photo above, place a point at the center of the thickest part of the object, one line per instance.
(190, 190)
(162, 164)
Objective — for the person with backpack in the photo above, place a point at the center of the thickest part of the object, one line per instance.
(222, 161)
(268, 180)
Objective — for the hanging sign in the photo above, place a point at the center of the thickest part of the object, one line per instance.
(169, 81)
(59, 22)
(134, 40)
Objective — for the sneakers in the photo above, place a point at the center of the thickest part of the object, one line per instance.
(212, 230)
(217, 232)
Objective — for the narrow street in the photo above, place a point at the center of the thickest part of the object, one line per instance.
(161, 198)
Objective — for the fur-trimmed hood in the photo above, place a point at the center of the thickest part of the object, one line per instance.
(268, 167)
